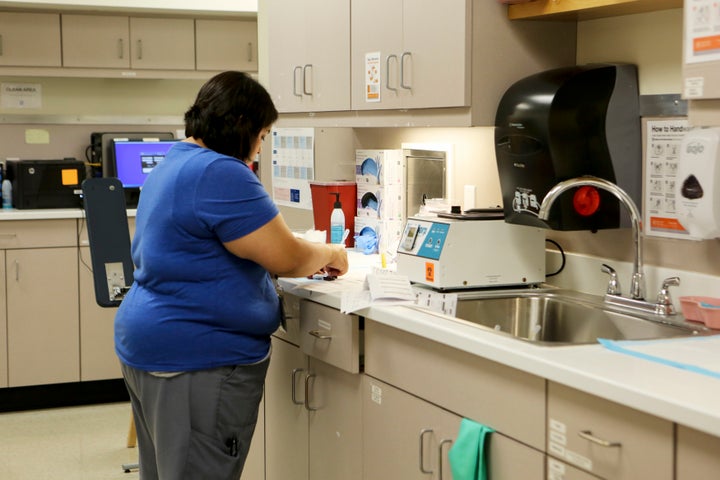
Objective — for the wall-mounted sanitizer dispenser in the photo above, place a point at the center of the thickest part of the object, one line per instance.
(565, 123)
(697, 188)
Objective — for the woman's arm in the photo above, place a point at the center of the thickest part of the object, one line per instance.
(275, 248)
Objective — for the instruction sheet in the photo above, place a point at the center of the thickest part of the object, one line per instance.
(293, 166)
(662, 154)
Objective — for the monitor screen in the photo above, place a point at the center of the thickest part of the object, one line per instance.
(134, 160)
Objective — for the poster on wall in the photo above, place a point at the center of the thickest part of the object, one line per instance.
(662, 156)
(372, 77)
(702, 31)
(293, 166)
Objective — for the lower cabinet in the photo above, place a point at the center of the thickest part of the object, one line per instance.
(42, 315)
(3, 327)
(607, 439)
(557, 470)
(696, 455)
(313, 420)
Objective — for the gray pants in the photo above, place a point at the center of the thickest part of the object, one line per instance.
(196, 425)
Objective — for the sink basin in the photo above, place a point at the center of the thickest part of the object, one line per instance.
(565, 317)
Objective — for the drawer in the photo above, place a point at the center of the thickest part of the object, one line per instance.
(607, 439)
(291, 331)
(504, 398)
(38, 233)
(557, 470)
(697, 455)
(330, 336)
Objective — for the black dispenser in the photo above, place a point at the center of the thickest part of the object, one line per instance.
(565, 123)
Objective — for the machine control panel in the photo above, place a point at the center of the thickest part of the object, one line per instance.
(424, 239)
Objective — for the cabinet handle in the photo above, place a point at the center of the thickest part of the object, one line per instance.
(250, 52)
(320, 335)
(422, 449)
(587, 435)
(17, 271)
(305, 82)
(293, 390)
(387, 72)
(295, 81)
(1, 45)
(121, 48)
(402, 70)
(443, 442)
(308, 407)
(139, 48)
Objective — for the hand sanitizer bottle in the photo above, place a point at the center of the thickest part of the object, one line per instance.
(6, 194)
(337, 220)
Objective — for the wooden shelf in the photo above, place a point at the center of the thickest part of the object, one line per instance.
(586, 9)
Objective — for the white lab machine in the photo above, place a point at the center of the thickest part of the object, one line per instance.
(449, 253)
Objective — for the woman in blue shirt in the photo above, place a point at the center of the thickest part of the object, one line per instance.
(193, 333)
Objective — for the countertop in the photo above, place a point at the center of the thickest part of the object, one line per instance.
(46, 213)
(678, 395)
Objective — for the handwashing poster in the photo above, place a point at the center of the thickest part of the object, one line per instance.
(662, 154)
(293, 166)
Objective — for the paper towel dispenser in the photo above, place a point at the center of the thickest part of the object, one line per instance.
(565, 123)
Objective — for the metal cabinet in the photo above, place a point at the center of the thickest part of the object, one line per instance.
(313, 419)
(421, 50)
(226, 45)
(309, 52)
(696, 455)
(607, 439)
(95, 41)
(30, 39)
(162, 43)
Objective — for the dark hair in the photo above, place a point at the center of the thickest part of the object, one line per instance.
(230, 111)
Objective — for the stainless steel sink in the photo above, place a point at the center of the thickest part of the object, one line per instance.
(564, 317)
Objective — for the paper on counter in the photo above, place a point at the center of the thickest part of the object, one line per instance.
(695, 354)
(381, 288)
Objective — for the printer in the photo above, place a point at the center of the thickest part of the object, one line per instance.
(46, 183)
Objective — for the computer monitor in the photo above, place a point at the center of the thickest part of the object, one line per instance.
(133, 160)
(103, 142)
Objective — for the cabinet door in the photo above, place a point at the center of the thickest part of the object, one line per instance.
(382, 34)
(407, 437)
(95, 41)
(30, 39)
(286, 420)
(310, 51)
(98, 360)
(607, 439)
(226, 45)
(162, 43)
(335, 423)
(436, 53)
(42, 307)
(697, 455)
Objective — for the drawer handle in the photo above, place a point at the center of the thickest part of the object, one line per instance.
(440, 456)
(320, 334)
(587, 435)
(422, 449)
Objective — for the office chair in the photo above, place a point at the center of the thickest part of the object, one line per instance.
(109, 239)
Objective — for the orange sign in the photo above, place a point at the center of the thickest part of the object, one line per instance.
(430, 271)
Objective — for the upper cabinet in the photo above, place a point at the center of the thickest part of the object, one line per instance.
(30, 39)
(95, 41)
(403, 62)
(226, 44)
(162, 43)
(124, 46)
(309, 54)
(415, 55)
(587, 9)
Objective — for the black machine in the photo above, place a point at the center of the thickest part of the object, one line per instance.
(565, 123)
(46, 183)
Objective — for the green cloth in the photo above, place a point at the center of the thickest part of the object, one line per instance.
(467, 455)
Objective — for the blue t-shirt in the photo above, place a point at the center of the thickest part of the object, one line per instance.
(194, 305)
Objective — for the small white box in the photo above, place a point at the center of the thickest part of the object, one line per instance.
(383, 202)
(379, 167)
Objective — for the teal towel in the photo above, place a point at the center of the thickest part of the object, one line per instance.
(467, 455)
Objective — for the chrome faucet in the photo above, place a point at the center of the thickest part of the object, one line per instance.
(637, 283)
(663, 306)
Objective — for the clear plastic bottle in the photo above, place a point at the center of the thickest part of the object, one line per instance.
(337, 221)
(6, 194)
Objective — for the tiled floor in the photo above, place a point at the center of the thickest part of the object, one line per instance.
(75, 443)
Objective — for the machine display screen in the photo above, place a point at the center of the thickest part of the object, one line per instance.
(134, 160)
